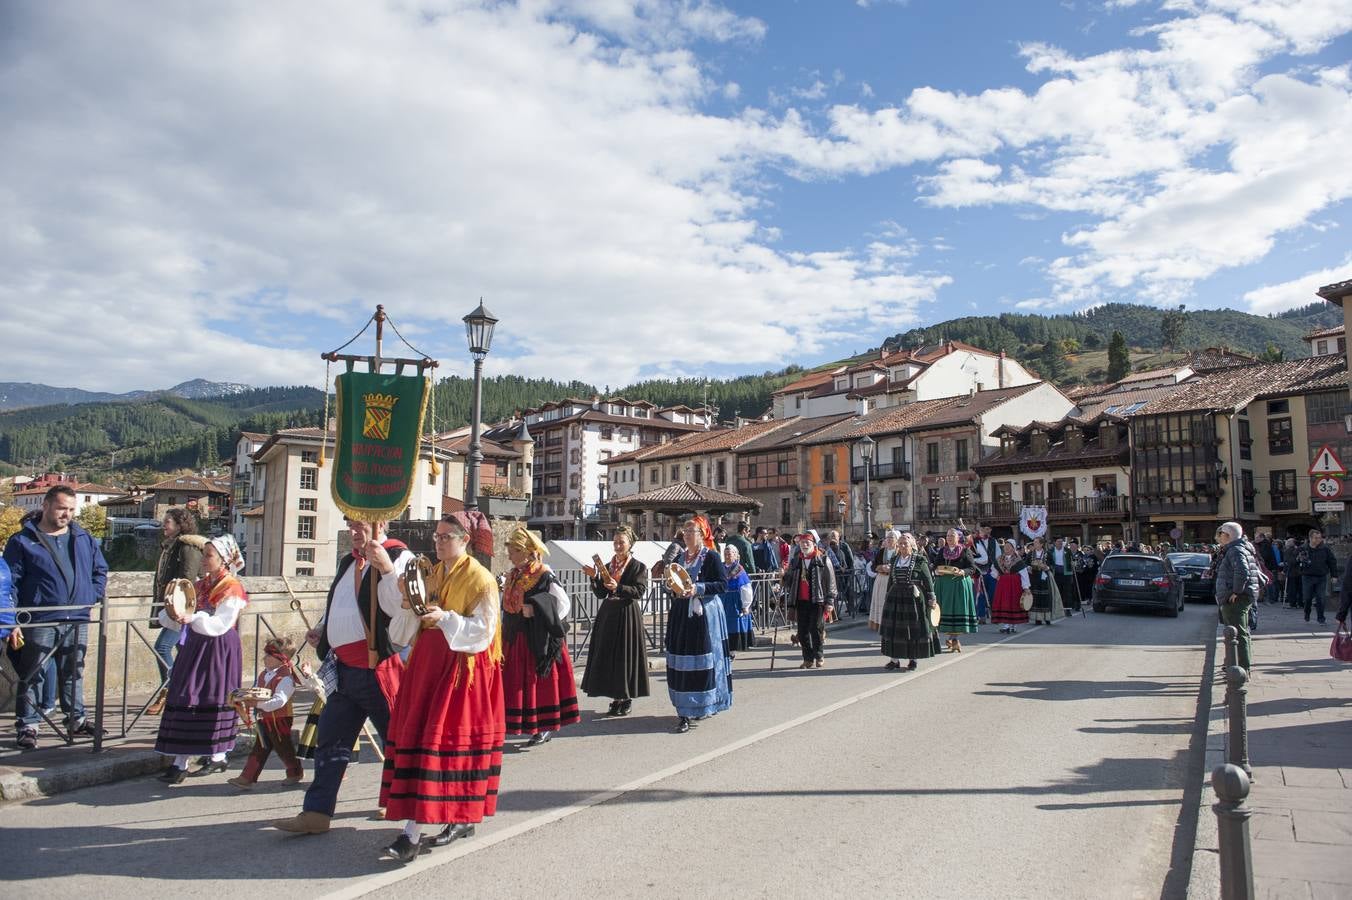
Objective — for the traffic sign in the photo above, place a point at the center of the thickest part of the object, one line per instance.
(1329, 505)
(1326, 463)
(1328, 488)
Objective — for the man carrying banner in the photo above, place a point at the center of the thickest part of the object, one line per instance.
(365, 690)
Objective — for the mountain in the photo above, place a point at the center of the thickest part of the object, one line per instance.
(22, 395)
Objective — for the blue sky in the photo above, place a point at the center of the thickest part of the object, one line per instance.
(642, 188)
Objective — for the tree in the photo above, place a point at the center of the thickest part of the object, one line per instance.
(94, 519)
(1172, 326)
(1051, 362)
(1092, 341)
(1119, 358)
(11, 519)
(1272, 354)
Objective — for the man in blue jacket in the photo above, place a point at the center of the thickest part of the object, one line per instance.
(58, 573)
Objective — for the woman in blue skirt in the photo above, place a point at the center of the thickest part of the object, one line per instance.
(699, 665)
(737, 602)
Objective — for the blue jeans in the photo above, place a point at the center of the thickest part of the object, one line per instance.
(1313, 588)
(47, 678)
(166, 648)
(357, 699)
(65, 643)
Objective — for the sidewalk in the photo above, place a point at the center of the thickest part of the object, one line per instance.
(1300, 747)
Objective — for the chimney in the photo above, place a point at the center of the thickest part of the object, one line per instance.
(1039, 442)
(1074, 439)
(596, 401)
(1001, 380)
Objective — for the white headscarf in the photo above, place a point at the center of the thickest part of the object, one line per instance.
(229, 552)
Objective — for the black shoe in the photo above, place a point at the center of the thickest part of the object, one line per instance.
(403, 850)
(910, 666)
(86, 728)
(893, 664)
(682, 725)
(625, 706)
(614, 708)
(448, 834)
(26, 739)
(1322, 622)
(211, 768)
(173, 775)
(539, 738)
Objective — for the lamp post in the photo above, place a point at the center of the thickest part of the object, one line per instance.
(866, 448)
(840, 507)
(479, 330)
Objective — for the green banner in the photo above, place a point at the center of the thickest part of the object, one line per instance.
(380, 421)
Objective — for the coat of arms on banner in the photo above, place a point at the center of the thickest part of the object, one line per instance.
(379, 416)
(1033, 521)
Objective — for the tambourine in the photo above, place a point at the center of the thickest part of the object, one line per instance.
(947, 570)
(180, 599)
(1026, 600)
(935, 615)
(415, 585)
(250, 695)
(679, 581)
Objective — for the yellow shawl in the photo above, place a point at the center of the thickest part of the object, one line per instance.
(457, 588)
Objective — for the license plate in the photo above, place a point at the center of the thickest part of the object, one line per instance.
(1188, 577)
(1131, 582)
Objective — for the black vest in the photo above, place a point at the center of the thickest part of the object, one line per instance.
(384, 648)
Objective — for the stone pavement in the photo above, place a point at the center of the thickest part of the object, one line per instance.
(1300, 747)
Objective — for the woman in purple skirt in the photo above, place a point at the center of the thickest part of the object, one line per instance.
(198, 718)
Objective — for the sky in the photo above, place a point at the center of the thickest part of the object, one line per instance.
(646, 189)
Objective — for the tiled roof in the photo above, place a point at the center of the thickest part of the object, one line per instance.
(1335, 331)
(1238, 386)
(1119, 400)
(1336, 292)
(1058, 456)
(793, 432)
(966, 408)
(190, 483)
(1152, 374)
(1083, 390)
(689, 496)
(253, 435)
(811, 380)
(491, 449)
(252, 512)
(890, 420)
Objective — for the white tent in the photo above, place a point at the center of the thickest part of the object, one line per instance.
(565, 555)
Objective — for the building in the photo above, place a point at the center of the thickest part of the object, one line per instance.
(246, 484)
(898, 377)
(772, 468)
(1236, 444)
(296, 528)
(87, 493)
(508, 467)
(573, 441)
(1327, 341)
(206, 498)
(949, 440)
(1337, 294)
(707, 458)
(1078, 468)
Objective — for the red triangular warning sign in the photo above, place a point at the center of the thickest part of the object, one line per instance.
(1326, 462)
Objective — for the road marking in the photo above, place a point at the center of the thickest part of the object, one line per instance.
(371, 883)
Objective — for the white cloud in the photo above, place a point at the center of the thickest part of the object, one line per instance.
(1298, 291)
(209, 187)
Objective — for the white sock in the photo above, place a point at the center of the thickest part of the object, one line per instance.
(218, 757)
(181, 761)
(412, 830)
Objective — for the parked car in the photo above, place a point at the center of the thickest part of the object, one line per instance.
(1196, 573)
(1138, 579)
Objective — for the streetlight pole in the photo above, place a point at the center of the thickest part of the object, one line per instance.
(866, 448)
(840, 507)
(479, 331)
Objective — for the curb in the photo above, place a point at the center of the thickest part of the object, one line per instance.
(1204, 879)
(103, 768)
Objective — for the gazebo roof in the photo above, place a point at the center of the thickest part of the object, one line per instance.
(687, 497)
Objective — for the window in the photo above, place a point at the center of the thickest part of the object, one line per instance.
(607, 433)
(305, 528)
(309, 504)
(676, 472)
(898, 461)
(305, 554)
(309, 479)
(898, 500)
(305, 571)
(829, 466)
(1321, 348)
(1002, 496)
(964, 501)
(653, 474)
(1032, 493)
(721, 473)
(1325, 409)
(782, 467)
(1279, 436)
(785, 511)
(431, 513)
(1278, 407)
(1283, 488)
(501, 470)
(960, 451)
(932, 458)
(751, 470)
(309, 456)
(933, 503)
(1245, 440)
(431, 476)
(699, 473)
(1246, 489)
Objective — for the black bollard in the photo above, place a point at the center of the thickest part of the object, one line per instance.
(1231, 646)
(1237, 713)
(1232, 821)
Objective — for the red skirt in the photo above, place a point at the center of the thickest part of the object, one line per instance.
(444, 751)
(536, 703)
(1007, 610)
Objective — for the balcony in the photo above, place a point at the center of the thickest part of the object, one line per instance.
(546, 468)
(600, 513)
(882, 471)
(1058, 508)
(553, 440)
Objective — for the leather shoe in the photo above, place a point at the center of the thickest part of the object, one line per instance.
(682, 725)
(173, 775)
(448, 834)
(539, 738)
(625, 706)
(305, 823)
(403, 850)
(211, 768)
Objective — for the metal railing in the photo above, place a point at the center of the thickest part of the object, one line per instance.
(880, 471)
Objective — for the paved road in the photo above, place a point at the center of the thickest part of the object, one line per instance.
(1049, 764)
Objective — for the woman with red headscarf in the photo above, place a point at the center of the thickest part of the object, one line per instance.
(699, 664)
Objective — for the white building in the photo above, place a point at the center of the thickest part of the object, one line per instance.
(1328, 341)
(29, 499)
(246, 483)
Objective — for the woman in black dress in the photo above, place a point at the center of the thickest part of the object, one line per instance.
(617, 662)
(905, 628)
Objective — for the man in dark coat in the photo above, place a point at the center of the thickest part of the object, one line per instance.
(738, 538)
(1317, 566)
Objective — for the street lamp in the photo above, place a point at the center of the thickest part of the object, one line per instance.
(840, 507)
(479, 330)
(867, 446)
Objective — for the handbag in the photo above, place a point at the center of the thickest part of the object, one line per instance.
(1341, 648)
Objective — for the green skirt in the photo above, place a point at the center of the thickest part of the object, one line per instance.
(957, 604)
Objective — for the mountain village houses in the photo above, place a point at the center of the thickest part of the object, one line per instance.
(917, 439)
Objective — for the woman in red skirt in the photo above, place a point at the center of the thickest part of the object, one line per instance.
(444, 751)
(1007, 610)
(537, 674)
